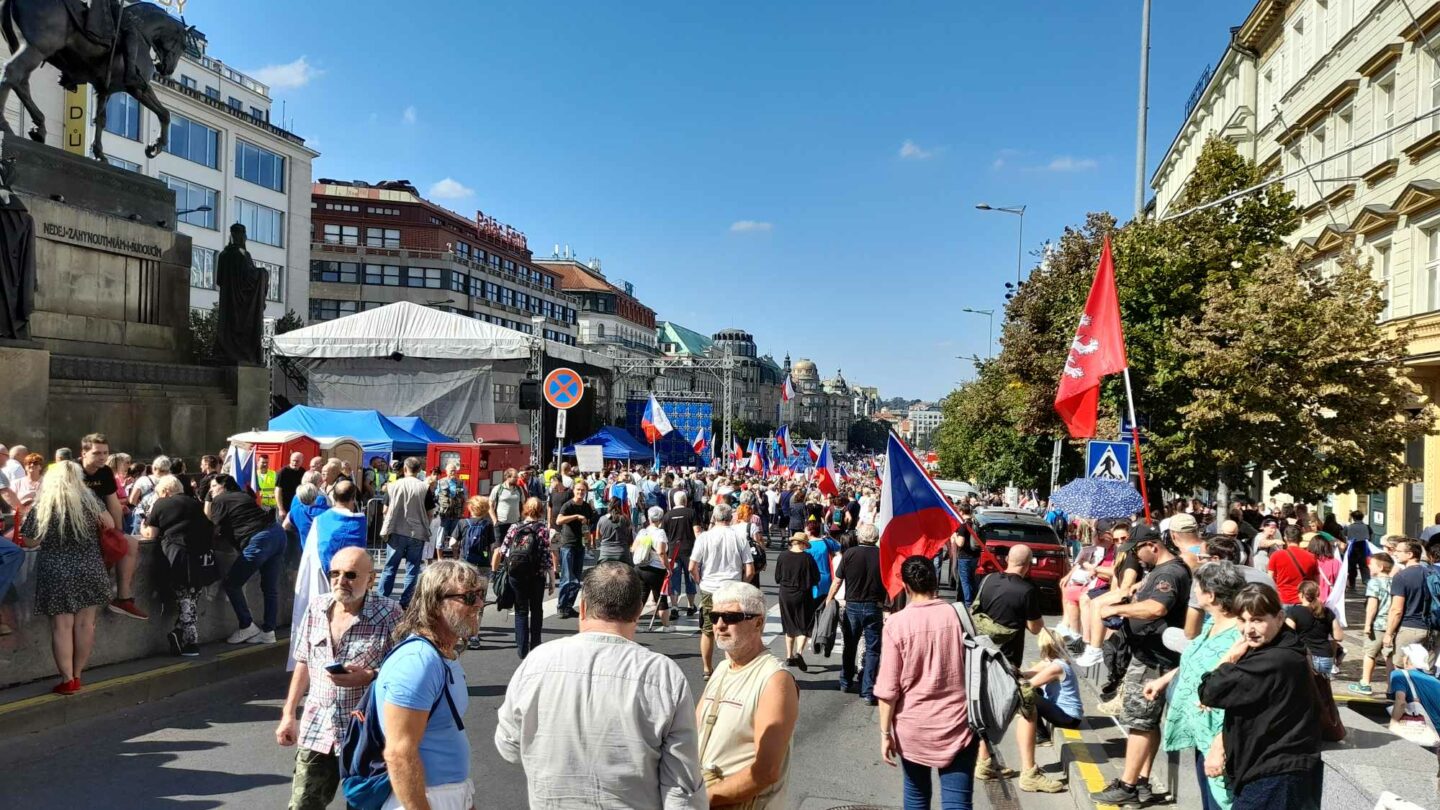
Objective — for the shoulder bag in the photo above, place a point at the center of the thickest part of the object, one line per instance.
(114, 545)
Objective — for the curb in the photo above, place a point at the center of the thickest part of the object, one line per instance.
(47, 711)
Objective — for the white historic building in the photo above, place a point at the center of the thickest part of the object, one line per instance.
(225, 154)
(1341, 98)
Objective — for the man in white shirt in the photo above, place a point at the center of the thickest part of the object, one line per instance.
(12, 461)
(721, 555)
(601, 685)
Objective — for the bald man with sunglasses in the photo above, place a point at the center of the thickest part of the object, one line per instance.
(342, 640)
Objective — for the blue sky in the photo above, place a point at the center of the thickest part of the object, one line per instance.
(804, 170)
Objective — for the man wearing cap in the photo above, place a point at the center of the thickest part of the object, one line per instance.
(1160, 604)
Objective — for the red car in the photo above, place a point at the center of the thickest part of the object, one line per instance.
(999, 529)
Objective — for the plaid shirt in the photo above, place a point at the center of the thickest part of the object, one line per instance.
(364, 645)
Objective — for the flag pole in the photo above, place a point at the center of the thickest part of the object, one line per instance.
(1135, 437)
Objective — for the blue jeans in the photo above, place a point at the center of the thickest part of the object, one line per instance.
(11, 558)
(409, 549)
(263, 552)
(957, 782)
(1207, 799)
(1300, 790)
(965, 576)
(681, 574)
(572, 567)
(861, 617)
(1324, 666)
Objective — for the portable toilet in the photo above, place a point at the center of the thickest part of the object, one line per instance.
(344, 448)
(277, 445)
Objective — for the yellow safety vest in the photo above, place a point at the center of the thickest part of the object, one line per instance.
(267, 487)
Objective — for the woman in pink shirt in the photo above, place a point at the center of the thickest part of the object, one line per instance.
(921, 689)
(1327, 562)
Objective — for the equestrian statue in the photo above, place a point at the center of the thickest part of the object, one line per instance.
(107, 45)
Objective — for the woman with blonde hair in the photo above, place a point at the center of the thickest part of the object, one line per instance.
(70, 578)
(1056, 703)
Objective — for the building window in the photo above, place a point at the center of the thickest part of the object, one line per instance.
(335, 272)
(342, 234)
(276, 291)
(235, 103)
(522, 300)
(212, 92)
(122, 163)
(462, 250)
(1382, 272)
(459, 282)
(1343, 140)
(1382, 110)
(190, 196)
(430, 278)
(492, 292)
(202, 268)
(494, 262)
(260, 166)
(259, 114)
(1432, 269)
(186, 81)
(382, 237)
(384, 275)
(324, 309)
(122, 116)
(1429, 96)
(193, 141)
(507, 297)
(262, 223)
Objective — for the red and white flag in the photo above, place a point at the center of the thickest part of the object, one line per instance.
(787, 393)
(1098, 350)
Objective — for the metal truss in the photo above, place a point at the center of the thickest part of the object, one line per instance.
(721, 368)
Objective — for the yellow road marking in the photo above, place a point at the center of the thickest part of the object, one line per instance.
(110, 683)
(1088, 763)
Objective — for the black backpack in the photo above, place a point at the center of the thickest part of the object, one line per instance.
(758, 555)
(523, 559)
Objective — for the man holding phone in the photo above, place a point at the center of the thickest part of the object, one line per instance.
(344, 637)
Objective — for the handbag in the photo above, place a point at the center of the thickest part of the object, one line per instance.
(114, 545)
(500, 585)
(1332, 728)
(1415, 724)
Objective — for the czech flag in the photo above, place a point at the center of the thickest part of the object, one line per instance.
(654, 421)
(758, 461)
(915, 517)
(700, 443)
(782, 437)
(787, 393)
(826, 475)
(813, 451)
(739, 451)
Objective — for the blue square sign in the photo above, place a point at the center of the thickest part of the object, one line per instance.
(1107, 460)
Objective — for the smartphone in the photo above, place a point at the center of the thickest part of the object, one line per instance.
(335, 668)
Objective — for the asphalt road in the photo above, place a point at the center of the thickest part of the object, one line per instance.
(215, 747)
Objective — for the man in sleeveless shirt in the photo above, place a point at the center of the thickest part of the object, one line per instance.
(748, 711)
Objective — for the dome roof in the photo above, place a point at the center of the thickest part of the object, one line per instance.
(805, 368)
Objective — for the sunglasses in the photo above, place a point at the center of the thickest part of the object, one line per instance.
(469, 597)
(348, 575)
(735, 617)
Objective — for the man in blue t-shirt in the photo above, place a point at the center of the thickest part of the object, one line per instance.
(422, 693)
(1411, 681)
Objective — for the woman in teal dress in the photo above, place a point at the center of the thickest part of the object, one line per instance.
(1187, 723)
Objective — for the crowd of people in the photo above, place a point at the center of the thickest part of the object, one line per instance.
(1220, 640)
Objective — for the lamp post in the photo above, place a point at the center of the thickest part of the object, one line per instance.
(203, 208)
(989, 313)
(1019, 211)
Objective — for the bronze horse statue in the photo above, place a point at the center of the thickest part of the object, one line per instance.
(54, 31)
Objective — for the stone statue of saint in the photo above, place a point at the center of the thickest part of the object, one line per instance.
(240, 321)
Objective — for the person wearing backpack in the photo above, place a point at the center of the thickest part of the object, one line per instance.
(420, 696)
(1414, 599)
(528, 568)
(449, 498)
(928, 730)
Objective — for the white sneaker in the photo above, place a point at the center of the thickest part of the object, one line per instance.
(1065, 632)
(669, 628)
(1091, 657)
(262, 638)
(244, 634)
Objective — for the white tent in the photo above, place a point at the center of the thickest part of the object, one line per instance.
(416, 331)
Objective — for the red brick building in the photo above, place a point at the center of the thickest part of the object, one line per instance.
(375, 244)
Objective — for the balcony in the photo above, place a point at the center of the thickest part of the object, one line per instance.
(362, 251)
(283, 134)
(220, 68)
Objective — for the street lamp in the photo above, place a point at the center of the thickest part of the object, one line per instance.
(201, 209)
(1019, 211)
(989, 313)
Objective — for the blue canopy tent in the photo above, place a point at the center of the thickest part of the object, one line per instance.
(618, 445)
(420, 429)
(377, 434)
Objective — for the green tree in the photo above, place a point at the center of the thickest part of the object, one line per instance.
(977, 440)
(867, 434)
(202, 335)
(1330, 409)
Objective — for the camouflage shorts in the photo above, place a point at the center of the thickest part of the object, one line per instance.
(1137, 713)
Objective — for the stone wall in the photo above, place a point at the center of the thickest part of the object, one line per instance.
(25, 654)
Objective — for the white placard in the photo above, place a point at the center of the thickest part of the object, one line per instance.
(591, 458)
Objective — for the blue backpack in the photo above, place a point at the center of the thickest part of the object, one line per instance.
(1432, 593)
(363, 775)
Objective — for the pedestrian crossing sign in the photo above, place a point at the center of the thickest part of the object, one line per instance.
(1107, 460)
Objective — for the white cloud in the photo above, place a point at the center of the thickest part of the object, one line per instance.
(1002, 158)
(751, 226)
(409, 116)
(449, 189)
(289, 76)
(912, 151)
(1066, 163)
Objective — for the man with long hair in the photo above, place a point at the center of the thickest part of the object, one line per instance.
(422, 693)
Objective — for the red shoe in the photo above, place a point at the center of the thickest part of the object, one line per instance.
(69, 687)
(126, 608)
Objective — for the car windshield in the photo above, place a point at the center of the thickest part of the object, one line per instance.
(1017, 533)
